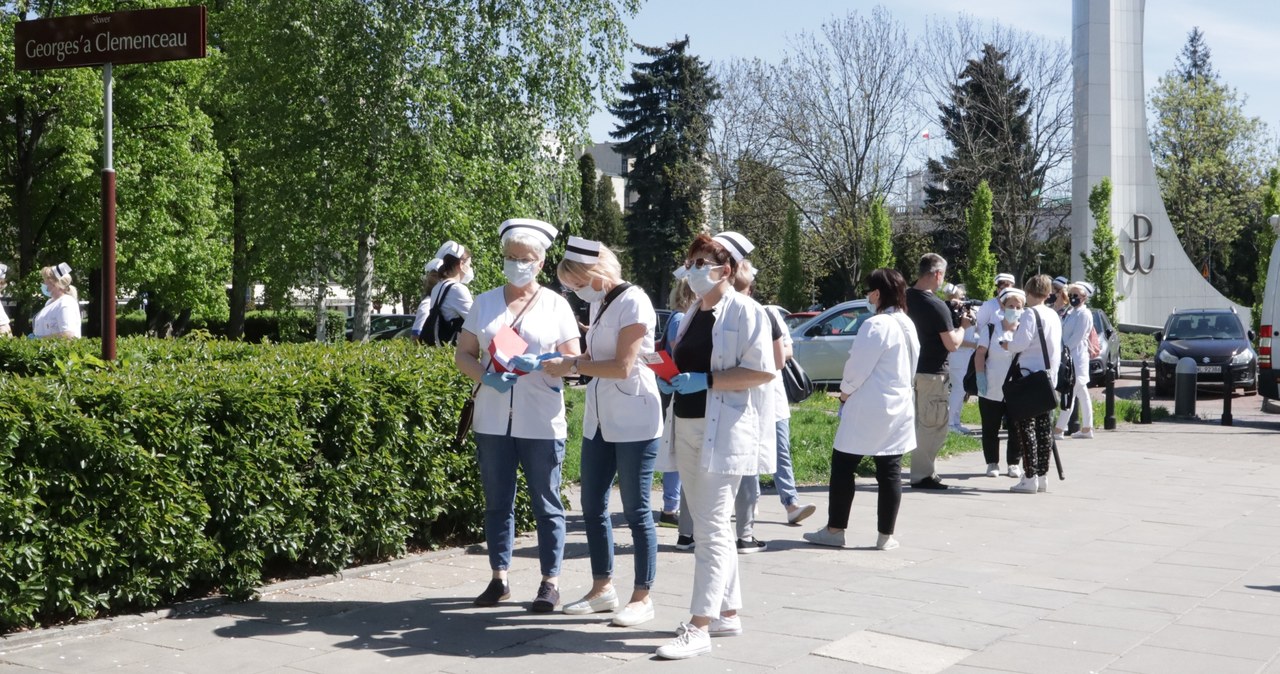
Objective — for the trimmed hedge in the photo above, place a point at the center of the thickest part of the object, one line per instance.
(293, 325)
(201, 466)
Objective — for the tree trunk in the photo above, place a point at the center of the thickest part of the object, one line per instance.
(364, 286)
(322, 288)
(240, 261)
(94, 286)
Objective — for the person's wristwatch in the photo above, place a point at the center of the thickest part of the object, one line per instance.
(573, 368)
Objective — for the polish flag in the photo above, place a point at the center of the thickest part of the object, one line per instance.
(925, 134)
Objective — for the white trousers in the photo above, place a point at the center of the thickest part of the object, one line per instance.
(1080, 397)
(710, 498)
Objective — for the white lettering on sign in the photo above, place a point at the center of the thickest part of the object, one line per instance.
(58, 50)
(106, 42)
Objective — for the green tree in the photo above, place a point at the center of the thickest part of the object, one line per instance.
(987, 121)
(589, 197)
(793, 292)
(980, 272)
(1265, 240)
(756, 205)
(879, 247)
(1210, 161)
(665, 127)
(609, 224)
(1100, 266)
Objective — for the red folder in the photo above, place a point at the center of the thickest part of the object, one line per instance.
(661, 364)
(507, 344)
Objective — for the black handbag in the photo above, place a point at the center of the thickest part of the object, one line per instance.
(970, 379)
(1027, 396)
(796, 381)
(1066, 373)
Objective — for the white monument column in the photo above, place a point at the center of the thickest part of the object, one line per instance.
(1110, 139)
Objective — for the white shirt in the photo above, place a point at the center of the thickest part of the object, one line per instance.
(879, 417)
(4, 318)
(1076, 326)
(57, 316)
(1026, 342)
(534, 407)
(999, 357)
(741, 435)
(989, 309)
(958, 360)
(781, 406)
(624, 410)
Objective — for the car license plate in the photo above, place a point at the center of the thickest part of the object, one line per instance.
(1208, 369)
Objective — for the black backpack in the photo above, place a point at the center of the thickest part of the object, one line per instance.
(437, 331)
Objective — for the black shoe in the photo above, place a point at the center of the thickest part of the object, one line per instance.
(548, 598)
(668, 520)
(684, 543)
(747, 546)
(496, 592)
(928, 483)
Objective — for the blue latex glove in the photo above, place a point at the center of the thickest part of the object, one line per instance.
(527, 362)
(689, 382)
(664, 387)
(499, 381)
(982, 383)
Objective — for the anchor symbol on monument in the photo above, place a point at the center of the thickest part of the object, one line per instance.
(1138, 240)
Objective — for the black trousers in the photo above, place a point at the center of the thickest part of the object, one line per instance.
(993, 413)
(1036, 435)
(888, 477)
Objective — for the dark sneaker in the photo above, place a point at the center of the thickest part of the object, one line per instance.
(747, 546)
(669, 520)
(684, 543)
(548, 598)
(496, 592)
(928, 483)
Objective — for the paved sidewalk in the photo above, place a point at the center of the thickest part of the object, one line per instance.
(1160, 553)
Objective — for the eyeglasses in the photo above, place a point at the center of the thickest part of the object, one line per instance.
(700, 263)
(508, 258)
(1074, 296)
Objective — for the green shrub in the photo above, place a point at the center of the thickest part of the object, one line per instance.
(293, 325)
(1137, 346)
(196, 466)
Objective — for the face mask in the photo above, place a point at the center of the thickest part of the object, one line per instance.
(700, 280)
(589, 295)
(1051, 299)
(468, 276)
(1076, 301)
(44, 290)
(520, 274)
(1010, 315)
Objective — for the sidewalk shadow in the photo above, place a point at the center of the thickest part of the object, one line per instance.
(446, 626)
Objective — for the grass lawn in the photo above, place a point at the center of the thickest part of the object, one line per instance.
(813, 431)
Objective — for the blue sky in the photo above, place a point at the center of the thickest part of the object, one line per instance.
(1243, 35)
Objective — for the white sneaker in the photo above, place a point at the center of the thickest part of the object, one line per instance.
(824, 537)
(800, 513)
(606, 601)
(1082, 435)
(1057, 435)
(1027, 485)
(886, 542)
(634, 614)
(993, 470)
(1042, 483)
(1015, 470)
(721, 626)
(690, 643)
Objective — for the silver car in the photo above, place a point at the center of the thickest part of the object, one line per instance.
(822, 343)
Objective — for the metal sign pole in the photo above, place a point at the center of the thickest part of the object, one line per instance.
(108, 226)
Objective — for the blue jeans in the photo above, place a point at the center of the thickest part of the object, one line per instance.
(785, 477)
(540, 460)
(671, 491)
(632, 463)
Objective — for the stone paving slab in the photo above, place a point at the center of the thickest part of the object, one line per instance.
(1159, 553)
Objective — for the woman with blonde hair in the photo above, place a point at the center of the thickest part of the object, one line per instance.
(445, 290)
(60, 316)
(620, 426)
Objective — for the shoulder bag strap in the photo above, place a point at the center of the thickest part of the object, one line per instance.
(608, 299)
(532, 301)
(1040, 331)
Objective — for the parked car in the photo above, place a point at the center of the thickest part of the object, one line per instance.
(660, 330)
(822, 342)
(1109, 358)
(1216, 340)
(795, 319)
(382, 322)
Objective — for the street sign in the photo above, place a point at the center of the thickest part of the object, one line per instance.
(140, 36)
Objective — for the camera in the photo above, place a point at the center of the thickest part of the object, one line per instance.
(961, 309)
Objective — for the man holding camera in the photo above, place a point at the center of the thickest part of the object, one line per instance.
(939, 336)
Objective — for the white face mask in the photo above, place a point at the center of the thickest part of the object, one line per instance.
(1010, 315)
(700, 280)
(589, 294)
(468, 275)
(520, 273)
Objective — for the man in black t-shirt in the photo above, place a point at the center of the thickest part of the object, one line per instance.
(938, 337)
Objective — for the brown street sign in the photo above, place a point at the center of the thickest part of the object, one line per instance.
(140, 36)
